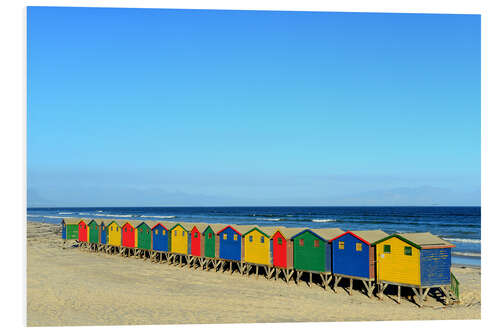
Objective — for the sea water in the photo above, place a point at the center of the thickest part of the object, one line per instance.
(458, 225)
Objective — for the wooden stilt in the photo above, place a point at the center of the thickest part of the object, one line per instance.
(350, 287)
(399, 294)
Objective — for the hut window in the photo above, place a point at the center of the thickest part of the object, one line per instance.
(195, 235)
(359, 247)
(235, 237)
(301, 242)
(250, 239)
(387, 249)
(156, 232)
(163, 232)
(183, 234)
(280, 241)
(224, 236)
(147, 231)
(262, 239)
(210, 236)
(175, 232)
(316, 243)
(407, 250)
(341, 245)
(111, 228)
(140, 230)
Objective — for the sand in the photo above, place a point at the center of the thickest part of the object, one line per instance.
(70, 286)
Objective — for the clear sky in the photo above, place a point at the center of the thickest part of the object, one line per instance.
(204, 107)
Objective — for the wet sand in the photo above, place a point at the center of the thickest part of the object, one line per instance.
(71, 286)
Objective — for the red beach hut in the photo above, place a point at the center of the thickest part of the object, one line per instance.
(283, 247)
(128, 235)
(196, 240)
(82, 232)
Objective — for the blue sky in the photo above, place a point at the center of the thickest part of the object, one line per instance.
(204, 107)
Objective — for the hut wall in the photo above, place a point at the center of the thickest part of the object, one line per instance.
(396, 266)
(114, 234)
(217, 246)
(179, 240)
(143, 237)
(230, 247)
(102, 235)
(93, 232)
(308, 257)
(82, 232)
(279, 251)
(209, 246)
(160, 238)
(372, 262)
(128, 235)
(63, 231)
(202, 245)
(195, 242)
(435, 266)
(71, 231)
(257, 248)
(289, 253)
(349, 261)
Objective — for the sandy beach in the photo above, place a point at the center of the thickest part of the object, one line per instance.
(70, 286)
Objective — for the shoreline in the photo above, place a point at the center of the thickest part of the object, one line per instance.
(73, 287)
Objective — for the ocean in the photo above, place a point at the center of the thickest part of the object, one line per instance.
(458, 225)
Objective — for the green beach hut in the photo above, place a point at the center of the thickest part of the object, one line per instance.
(93, 232)
(143, 231)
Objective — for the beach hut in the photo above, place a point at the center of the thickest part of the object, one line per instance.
(258, 250)
(82, 231)
(312, 253)
(128, 235)
(197, 241)
(179, 242)
(353, 257)
(283, 251)
(114, 236)
(103, 236)
(231, 246)
(69, 228)
(93, 234)
(160, 238)
(420, 261)
(143, 236)
(209, 234)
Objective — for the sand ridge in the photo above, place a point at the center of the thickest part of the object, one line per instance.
(70, 286)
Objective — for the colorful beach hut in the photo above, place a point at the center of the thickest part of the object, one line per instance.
(128, 235)
(82, 231)
(143, 236)
(258, 246)
(417, 260)
(113, 234)
(230, 245)
(179, 237)
(196, 239)
(93, 235)
(69, 228)
(160, 238)
(353, 257)
(312, 253)
(283, 251)
(102, 233)
(210, 246)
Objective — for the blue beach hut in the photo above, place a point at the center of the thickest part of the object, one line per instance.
(353, 257)
(160, 238)
(230, 245)
(102, 236)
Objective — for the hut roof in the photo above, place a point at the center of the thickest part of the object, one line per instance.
(367, 236)
(328, 233)
(215, 227)
(288, 233)
(73, 220)
(243, 229)
(200, 226)
(267, 231)
(421, 240)
(184, 226)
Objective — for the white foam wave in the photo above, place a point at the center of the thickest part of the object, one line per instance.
(113, 215)
(269, 219)
(324, 220)
(51, 217)
(467, 254)
(64, 213)
(463, 240)
(160, 216)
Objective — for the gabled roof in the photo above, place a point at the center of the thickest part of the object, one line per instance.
(179, 224)
(92, 221)
(324, 233)
(230, 227)
(215, 227)
(288, 233)
(71, 220)
(367, 236)
(199, 226)
(159, 224)
(113, 221)
(266, 231)
(243, 229)
(420, 240)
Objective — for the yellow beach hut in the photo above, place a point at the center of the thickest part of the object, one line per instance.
(179, 239)
(257, 243)
(417, 260)
(114, 234)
